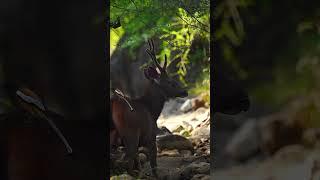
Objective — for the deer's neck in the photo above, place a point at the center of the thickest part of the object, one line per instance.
(154, 100)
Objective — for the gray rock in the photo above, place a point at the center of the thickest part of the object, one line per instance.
(201, 177)
(174, 142)
(163, 131)
(186, 106)
(196, 168)
(186, 153)
(169, 153)
(165, 174)
(289, 163)
(122, 177)
(201, 132)
(142, 158)
(244, 142)
(172, 107)
(311, 137)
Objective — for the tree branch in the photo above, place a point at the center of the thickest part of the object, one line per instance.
(192, 25)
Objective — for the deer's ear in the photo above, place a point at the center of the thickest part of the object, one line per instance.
(151, 73)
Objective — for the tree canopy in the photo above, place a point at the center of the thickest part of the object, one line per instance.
(177, 23)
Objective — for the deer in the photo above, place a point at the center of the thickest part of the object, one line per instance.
(125, 69)
(138, 127)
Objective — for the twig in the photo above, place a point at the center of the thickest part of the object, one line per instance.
(121, 95)
(190, 14)
(191, 24)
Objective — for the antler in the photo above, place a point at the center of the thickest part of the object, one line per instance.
(165, 62)
(152, 55)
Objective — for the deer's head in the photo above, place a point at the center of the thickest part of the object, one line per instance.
(159, 76)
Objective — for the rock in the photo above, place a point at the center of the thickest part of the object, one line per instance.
(194, 119)
(197, 103)
(277, 131)
(142, 158)
(171, 107)
(201, 177)
(143, 150)
(186, 153)
(178, 129)
(202, 110)
(201, 146)
(186, 106)
(288, 153)
(170, 153)
(201, 132)
(166, 174)
(163, 131)
(290, 162)
(195, 168)
(315, 170)
(311, 137)
(195, 141)
(187, 126)
(202, 152)
(121, 149)
(122, 177)
(174, 142)
(245, 141)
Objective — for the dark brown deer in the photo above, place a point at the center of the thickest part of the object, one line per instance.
(125, 69)
(138, 127)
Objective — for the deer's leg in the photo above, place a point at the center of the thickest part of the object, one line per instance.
(131, 143)
(153, 154)
(137, 162)
(113, 138)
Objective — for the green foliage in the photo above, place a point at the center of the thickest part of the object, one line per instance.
(179, 37)
(115, 36)
(301, 76)
(202, 86)
(143, 19)
(229, 31)
(251, 33)
(176, 23)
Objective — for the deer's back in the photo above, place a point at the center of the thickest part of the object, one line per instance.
(130, 122)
